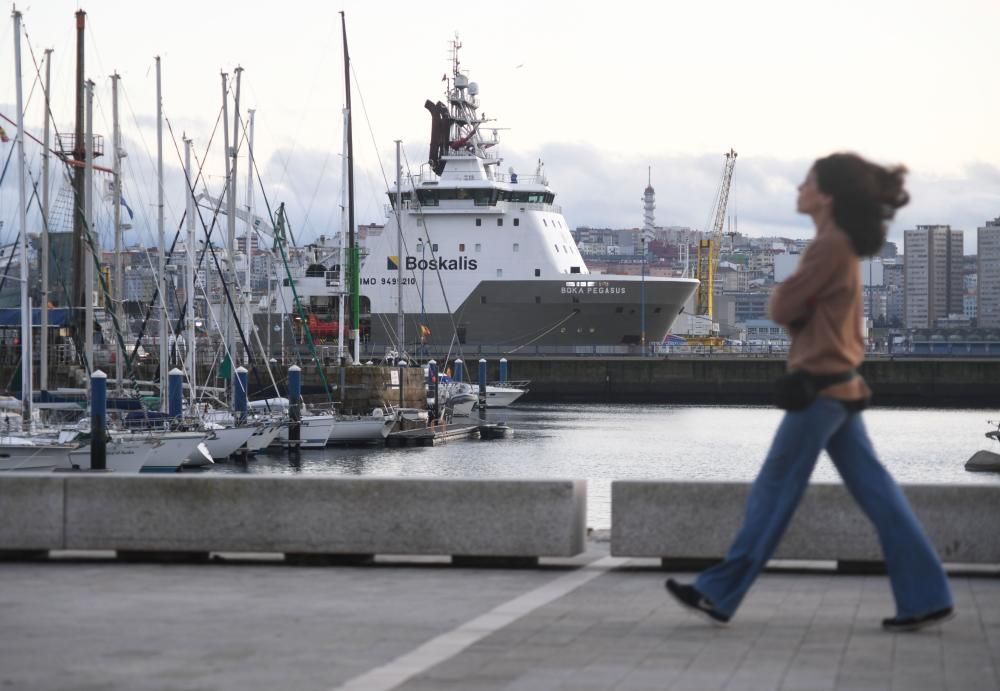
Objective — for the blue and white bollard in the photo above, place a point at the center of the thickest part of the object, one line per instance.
(175, 393)
(459, 369)
(240, 394)
(294, 407)
(482, 389)
(503, 370)
(98, 420)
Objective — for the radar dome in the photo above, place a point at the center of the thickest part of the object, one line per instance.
(473, 88)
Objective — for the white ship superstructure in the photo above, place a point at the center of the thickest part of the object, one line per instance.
(487, 256)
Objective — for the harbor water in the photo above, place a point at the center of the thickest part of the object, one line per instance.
(602, 443)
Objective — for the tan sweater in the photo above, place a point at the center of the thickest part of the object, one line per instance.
(821, 306)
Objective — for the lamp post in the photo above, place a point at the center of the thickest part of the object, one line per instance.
(642, 298)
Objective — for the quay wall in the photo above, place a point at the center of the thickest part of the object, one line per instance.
(733, 380)
(912, 382)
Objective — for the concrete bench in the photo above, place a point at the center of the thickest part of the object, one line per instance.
(328, 517)
(691, 524)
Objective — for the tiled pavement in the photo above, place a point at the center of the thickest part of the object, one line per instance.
(255, 624)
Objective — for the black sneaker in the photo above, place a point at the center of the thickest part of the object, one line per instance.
(917, 623)
(689, 597)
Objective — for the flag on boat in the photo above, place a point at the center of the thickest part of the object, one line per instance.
(424, 331)
(226, 368)
(392, 263)
(3, 136)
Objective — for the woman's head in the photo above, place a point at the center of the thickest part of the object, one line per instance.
(861, 196)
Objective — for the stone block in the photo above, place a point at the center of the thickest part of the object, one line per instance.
(31, 511)
(326, 515)
(698, 520)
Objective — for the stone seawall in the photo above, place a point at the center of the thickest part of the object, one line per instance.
(900, 382)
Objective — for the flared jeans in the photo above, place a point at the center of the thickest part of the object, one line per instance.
(919, 584)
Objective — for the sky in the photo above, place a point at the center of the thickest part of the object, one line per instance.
(601, 94)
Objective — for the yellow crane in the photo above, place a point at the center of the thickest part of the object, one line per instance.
(708, 252)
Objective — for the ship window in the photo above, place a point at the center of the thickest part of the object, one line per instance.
(434, 247)
(619, 309)
(574, 269)
(428, 197)
(482, 299)
(405, 198)
(479, 222)
(657, 310)
(517, 247)
(517, 221)
(479, 248)
(420, 247)
(576, 299)
(499, 273)
(499, 221)
(538, 272)
(461, 247)
(538, 299)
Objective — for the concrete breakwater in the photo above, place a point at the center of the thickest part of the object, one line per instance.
(350, 519)
(909, 381)
(900, 382)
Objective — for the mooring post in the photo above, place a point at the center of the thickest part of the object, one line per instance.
(175, 393)
(503, 370)
(459, 369)
(432, 388)
(240, 395)
(98, 420)
(482, 389)
(294, 408)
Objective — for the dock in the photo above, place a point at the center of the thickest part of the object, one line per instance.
(439, 434)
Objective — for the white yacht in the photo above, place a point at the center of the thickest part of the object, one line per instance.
(487, 255)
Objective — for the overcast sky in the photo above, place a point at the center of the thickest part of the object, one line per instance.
(599, 95)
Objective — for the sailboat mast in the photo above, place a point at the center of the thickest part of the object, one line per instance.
(231, 216)
(189, 278)
(400, 321)
(116, 181)
(23, 237)
(227, 320)
(43, 375)
(92, 247)
(344, 274)
(78, 184)
(161, 239)
(355, 267)
(247, 289)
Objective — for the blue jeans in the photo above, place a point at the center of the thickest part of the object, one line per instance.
(919, 584)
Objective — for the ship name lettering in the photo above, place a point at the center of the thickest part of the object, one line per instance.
(463, 263)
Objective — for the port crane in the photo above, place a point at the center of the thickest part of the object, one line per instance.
(708, 249)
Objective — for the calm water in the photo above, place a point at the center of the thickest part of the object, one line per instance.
(603, 443)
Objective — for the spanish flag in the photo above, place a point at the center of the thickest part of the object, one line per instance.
(3, 136)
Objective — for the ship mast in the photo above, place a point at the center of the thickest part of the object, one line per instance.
(22, 238)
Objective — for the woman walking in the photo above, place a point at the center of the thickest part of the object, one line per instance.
(850, 201)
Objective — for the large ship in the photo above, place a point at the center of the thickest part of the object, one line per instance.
(485, 257)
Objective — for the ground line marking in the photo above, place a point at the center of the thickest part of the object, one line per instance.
(451, 643)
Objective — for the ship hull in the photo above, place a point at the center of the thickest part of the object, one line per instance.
(589, 311)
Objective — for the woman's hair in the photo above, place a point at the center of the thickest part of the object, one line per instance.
(865, 197)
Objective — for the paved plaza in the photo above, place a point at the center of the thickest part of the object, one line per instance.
(594, 622)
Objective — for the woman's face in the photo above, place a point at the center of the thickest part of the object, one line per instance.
(811, 199)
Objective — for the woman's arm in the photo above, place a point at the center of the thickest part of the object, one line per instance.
(793, 302)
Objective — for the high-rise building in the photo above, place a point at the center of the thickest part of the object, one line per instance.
(988, 275)
(932, 274)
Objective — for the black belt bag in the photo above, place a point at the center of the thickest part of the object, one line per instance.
(797, 390)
